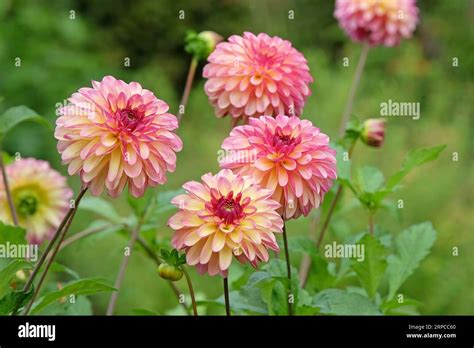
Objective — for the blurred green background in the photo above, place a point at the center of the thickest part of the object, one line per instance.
(59, 54)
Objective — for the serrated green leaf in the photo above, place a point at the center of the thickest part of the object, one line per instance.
(15, 299)
(79, 287)
(100, 207)
(412, 245)
(274, 294)
(9, 272)
(342, 302)
(372, 268)
(414, 159)
(16, 115)
(12, 234)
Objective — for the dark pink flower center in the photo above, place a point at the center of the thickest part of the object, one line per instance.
(129, 119)
(282, 142)
(228, 208)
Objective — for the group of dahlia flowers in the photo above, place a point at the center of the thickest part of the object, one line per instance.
(279, 166)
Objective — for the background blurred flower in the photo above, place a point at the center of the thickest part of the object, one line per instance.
(378, 22)
(117, 133)
(257, 75)
(373, 132)
(41, 197)
(225, 215)
(287, 155)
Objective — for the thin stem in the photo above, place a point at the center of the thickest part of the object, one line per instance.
(335, 200)
(123, 268)
(226, 297)
(288, 266)
(191, 292)
(187, 87)
(50, 259)
(84, 233)
(52, 241)
(7, 189)
(155, 258)
(352, 92)
(371, 223)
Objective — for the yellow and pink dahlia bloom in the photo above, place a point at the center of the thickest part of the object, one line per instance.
(40, 195)
(250, 76)
(115, 134)
(222, 217)
(377, 22)
(287, 155)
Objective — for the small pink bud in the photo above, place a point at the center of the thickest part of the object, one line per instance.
(374, 132)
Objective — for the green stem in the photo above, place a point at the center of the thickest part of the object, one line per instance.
(187, 87)
(355, 83)
(123, 268)
(288, 266)
(60, 233)
(155, 258)
(7, 189)
(226, 297)
(191, 292)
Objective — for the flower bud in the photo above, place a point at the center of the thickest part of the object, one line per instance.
(168, 272)
(201, 45)
(374, 132)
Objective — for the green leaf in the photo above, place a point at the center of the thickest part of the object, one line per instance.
(15, 299)
(18, 114)
(414, 159)
(372, 268)
(12, 234)
(274, 294)
(342, 302)
(7, 159)
(343, 166)
(144, 312)
(163, 204)
(412, 245)
(9, 272)
(79, 287)
(100, 207)
(406, 307)
(369, 179)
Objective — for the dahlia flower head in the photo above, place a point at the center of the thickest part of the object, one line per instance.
(222, 217)
(117, 133)
(378, 22)
(40, 195)
(250, 76)
(287, 155)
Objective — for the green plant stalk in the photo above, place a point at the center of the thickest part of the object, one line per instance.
(187, 87)
(352, 92)
(371, 222)
(123, 268)
(288, 267)
(11, 205)
(191, 291)
(61, 233)
(155, 258)
(226, 297)
(307, 264)
(50, 245)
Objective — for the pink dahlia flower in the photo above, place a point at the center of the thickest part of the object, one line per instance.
(40, 195)
(117, 133)
(286, 155)
(224, 216)
(378, 22)
(257, 75)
